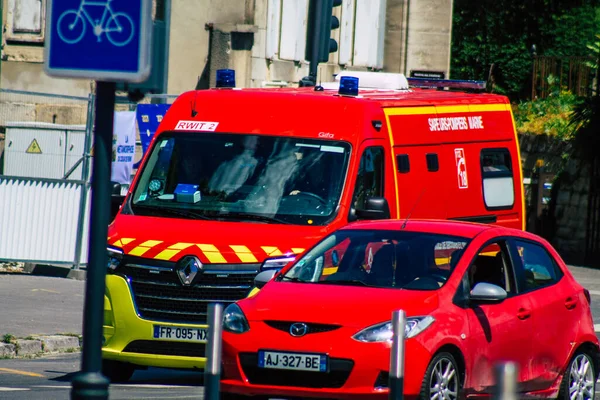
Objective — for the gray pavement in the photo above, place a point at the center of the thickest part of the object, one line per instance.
(40, 305)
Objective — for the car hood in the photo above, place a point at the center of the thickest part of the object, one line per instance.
(351, 306)
(215, 242)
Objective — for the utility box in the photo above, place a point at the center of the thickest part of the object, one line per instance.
(44, 150)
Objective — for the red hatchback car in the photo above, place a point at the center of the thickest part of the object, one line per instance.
(474, 295)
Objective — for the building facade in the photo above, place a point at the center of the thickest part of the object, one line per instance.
(263, 40)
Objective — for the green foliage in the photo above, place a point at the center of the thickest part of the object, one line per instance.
(8, 338)
(550, 116)
(501, 33)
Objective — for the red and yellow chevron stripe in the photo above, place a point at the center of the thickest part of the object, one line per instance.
(207, 252)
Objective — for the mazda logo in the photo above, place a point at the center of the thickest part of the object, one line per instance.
(298, 329)
(187, 268)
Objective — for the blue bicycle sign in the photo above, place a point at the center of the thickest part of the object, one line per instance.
(118, 26)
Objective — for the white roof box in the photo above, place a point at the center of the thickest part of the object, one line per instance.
(371, 80)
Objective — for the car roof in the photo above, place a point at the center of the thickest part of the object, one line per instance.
(444, 227)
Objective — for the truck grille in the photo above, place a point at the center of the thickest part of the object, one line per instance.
(159, 295)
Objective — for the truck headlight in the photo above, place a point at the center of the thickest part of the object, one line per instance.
(115, 256)
(383, 332)
(234, 320)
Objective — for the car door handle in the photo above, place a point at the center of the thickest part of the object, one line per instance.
(570, 303)
(523, 313)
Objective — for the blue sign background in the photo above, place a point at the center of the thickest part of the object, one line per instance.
(74, 45)
(148, 117)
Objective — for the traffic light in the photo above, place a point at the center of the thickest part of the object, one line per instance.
(321, 22)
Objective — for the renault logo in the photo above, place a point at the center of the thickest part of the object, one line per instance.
(187, 268)
(298, 329)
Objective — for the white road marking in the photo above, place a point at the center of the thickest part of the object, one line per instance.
(594, 292)
(149, 386)
(7, 389)
(51, 387)
(597, 327)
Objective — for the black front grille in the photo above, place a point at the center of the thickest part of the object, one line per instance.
(312, 328)
(159, 294)
(166, 348)
(339, 371)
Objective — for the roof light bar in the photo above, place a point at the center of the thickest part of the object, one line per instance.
(447, 83)
(348, 86)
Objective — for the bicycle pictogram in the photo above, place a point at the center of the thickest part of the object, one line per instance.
(118, 26)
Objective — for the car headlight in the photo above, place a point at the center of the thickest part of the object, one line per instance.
(383, 332)
(115, 256)
(234, 320)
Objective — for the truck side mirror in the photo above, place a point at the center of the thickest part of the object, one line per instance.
(116, 199)
(375, 208)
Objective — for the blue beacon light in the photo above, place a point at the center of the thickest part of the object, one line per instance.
(348, 86)
(225, 78)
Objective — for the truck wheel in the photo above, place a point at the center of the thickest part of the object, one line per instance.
(442, 379)
(117, 371)
(579, 380)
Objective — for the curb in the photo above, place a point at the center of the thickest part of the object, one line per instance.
(55, 271)
(33, 346)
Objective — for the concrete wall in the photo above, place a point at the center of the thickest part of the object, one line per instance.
(429, 33)
(189, 38)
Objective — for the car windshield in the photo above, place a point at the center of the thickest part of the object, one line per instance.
(385, 259)
(242, 178)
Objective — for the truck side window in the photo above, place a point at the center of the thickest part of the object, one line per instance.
(369, 181)
(497, 177)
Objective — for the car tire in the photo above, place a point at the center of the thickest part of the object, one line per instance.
(116, 371)
(442, 376)
(580, 376)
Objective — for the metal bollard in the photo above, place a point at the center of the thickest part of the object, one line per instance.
(396, 380)
(212, 371)
(506, 381)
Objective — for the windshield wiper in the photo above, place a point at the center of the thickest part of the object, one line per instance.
(352, 282)
(250, 217)
(157, 211)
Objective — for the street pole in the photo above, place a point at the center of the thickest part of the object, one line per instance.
(212, 370)
(396, 383)
(316, 38)
(90, 384)
(506, 381)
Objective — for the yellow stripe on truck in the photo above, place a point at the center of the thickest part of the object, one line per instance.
(171, 251)
(212, 253)
(272, 251)
(144, 247)
(243, 253)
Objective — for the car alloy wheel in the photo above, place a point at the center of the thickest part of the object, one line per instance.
(442, 380)
(581, 378)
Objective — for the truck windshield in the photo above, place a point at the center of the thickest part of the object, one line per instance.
(237, 177)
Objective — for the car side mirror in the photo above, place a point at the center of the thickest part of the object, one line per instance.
(262, 278)
(487, 293)
(115, 188)
(375, 208)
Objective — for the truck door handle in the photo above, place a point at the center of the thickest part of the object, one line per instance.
(523, 313)
(570, 303)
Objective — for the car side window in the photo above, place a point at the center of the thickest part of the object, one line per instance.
(539, 268)
(492, 265)
(369, 181)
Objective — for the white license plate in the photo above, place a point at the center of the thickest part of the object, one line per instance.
(294, 361)
(179, 333)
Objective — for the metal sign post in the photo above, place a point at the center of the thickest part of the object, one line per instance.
(107, 41)
(212, 371)
(396, 383)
